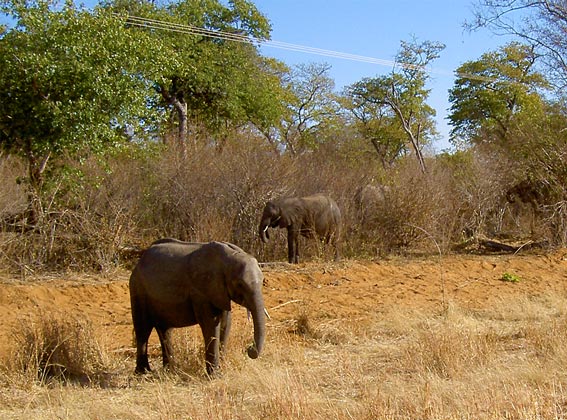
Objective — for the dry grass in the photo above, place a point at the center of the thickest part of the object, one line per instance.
(505, 363)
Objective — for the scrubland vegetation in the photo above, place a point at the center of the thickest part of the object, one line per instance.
(452, 362)
(182, 135)
(92, 217)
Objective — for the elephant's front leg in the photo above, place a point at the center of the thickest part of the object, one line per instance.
(226, 322)
(292, 245)
(210, 326)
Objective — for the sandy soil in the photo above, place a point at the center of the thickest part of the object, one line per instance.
(349, 289)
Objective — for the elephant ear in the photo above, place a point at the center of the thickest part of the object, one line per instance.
(221, 299)
(208, 266)
(291, 213)
(284, 221)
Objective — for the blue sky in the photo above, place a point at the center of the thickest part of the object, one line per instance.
(375, 28)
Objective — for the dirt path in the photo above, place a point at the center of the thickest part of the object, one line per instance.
(350, 289)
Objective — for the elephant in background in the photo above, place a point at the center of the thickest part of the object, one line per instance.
(314, 216)
(177, 284)
(369, 200)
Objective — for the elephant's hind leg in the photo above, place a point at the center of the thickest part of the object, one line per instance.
(164, 335)
(142, 337)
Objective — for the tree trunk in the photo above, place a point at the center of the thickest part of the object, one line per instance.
(178, 103)
(414, 139)
(181, 107)
(36, 168)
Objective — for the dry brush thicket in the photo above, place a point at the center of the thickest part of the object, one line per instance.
(92, 213)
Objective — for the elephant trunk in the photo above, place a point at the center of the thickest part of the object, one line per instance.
(259, 318)
(264, 230)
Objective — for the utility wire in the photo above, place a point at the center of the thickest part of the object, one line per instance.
(194, 30)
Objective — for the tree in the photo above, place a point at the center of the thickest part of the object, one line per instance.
(311, 102)
(214, 75)
(539, 23)
(492, 92)
(63, 93)
(378, 125)
(403, 93)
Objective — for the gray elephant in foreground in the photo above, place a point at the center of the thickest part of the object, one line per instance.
(315, 216)
(177, 284)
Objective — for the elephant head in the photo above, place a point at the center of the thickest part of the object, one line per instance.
(244, 286)
(271, 217)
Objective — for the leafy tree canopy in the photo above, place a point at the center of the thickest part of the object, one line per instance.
(542, 24)
(492, 92)
(210, 79)
(70, 80)
(403, 94)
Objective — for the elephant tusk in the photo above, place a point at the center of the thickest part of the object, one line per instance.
(265, 311)
(266, 228)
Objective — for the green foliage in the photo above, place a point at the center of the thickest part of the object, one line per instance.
(208, 80)
(71, 81)
(311, 107)
(399, 100)
(494, 92)
(539, 23)
(510, 278)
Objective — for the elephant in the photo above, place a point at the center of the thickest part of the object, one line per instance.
(178, 284)
(368, 200)
(314, 216)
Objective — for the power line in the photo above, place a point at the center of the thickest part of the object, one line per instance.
(194, 30)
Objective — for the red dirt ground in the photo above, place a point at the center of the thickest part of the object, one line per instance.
(349, 289)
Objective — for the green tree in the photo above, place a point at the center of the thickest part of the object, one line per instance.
(311, 105)
(403, 94)
(491, 93)
(376, 124)
(539, 23)
(214, 75)
(71, 81)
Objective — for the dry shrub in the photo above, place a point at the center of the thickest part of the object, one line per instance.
(84, 218)
(410, 215)
(212, 195)
(58, 347)
(95, 210)
(12, 194)
(320, 331)
(188, 353)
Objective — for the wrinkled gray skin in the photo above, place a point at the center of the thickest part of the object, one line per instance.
(315, 216)
(177, 284)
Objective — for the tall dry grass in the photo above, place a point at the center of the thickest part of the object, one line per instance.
(503, 363)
